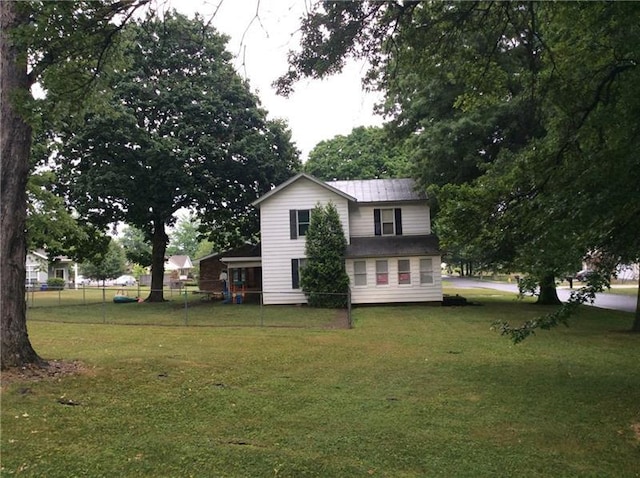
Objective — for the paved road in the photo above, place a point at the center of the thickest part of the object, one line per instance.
(625, 303)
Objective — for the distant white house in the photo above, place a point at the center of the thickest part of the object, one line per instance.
(39, 268)
(178, 264)
(392, 255)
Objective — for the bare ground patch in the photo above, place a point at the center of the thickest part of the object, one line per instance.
(51, 370)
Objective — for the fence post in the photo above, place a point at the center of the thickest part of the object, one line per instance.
(186, 308)
(104, 305)
(84, 294)
(349, 321)
(261, 311)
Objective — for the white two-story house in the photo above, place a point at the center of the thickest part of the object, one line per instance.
(391, 256)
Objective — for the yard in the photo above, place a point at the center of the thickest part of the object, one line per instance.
(408, 392)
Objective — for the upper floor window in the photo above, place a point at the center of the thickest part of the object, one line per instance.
(299, 220)
(387, 222)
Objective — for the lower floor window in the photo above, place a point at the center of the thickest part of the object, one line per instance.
(404, 271)
(382, 273)
(296, 269)
(359, 272)
(426, 271)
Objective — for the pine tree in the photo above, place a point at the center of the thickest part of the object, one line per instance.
(324, 278)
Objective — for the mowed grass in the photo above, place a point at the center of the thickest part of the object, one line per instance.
(410, 391)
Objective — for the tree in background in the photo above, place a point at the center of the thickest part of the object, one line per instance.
(184, 238)
(50, 225)
(181, 130)
(67, 45)
(324, 278)
(136, 246)
(523, 115)
(366, 153)
(106, 266)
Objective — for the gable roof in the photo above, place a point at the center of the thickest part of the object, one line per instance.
(380, 190)
(297, 177)
(178, 262)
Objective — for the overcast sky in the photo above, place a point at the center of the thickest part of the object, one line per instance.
(317, 110)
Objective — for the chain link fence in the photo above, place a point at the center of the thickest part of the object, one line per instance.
(185, 306)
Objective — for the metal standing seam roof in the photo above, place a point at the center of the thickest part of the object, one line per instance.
(380, 190)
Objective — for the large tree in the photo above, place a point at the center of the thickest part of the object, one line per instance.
(69, 43)
(181, 130)
(365, 153)
(520, 111)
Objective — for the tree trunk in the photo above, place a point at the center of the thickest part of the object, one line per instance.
(548, 293)
(636, 323)
(15, 147)
(159, 243)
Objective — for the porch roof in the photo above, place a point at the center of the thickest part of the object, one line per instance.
(393, 246)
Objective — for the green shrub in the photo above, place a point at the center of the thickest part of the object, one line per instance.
(324, 279)
(55, 283)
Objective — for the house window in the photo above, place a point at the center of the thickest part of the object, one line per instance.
(426, 271)
(59, 273)
(239, 276)
(296, 269)
(299, 220)
(387, 222)
(360, 272)
(404, 271)
(382, 273)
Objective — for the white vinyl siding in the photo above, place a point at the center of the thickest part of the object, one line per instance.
(277, 247)
(415, 219)
(395, 292)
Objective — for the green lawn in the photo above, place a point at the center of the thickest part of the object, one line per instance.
(408, 392)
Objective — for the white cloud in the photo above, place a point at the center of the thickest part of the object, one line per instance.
(318, 109)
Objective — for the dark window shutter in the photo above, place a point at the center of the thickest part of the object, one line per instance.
(398, 214)
(295, 277)
(377, 223)
(293, 223)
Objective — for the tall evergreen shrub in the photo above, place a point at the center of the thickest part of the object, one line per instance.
(324, 278)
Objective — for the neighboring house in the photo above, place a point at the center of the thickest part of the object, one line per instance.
(391, 255)
(242, 266)
(180, 265)
(39, 268)
(37, 265)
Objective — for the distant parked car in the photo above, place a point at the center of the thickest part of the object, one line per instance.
(125, 280)
(583, 275)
